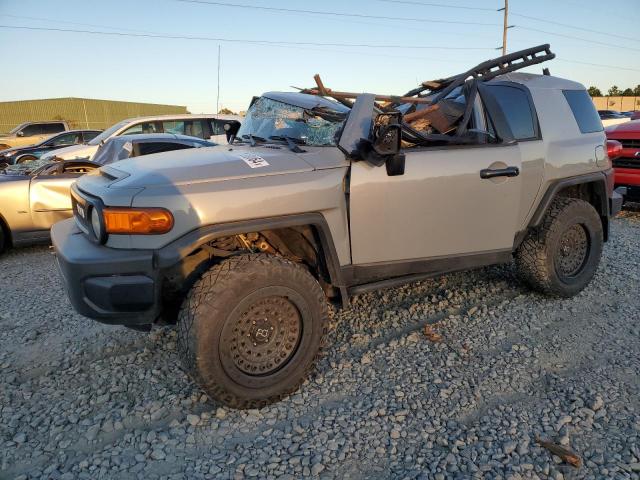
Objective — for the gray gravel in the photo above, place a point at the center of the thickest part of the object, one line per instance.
(83, 400)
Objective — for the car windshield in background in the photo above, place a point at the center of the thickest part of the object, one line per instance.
(268, 118)
(16, 129)
(107, 133)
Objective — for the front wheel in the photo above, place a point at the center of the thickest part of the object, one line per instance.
(561, 256)
(251, 328)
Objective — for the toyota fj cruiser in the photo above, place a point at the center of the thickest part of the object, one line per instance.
(314, 199)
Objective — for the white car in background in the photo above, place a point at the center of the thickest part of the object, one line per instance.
(207, 127)
(612, 117)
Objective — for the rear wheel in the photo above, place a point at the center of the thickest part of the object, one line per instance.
(251, 329)
(560, 257)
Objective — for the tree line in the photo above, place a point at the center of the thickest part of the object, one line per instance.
(616, 92)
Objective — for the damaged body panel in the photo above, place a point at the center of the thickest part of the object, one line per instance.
(317, 198)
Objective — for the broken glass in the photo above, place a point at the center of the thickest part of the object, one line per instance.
(268, 118)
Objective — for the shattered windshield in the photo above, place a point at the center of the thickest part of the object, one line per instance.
(269, 119)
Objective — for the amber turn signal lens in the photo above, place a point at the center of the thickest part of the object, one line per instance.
(137, 220)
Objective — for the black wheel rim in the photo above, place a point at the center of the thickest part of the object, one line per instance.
(264, 336)
(572, 252)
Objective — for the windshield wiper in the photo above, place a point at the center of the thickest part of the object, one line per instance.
(292, 142)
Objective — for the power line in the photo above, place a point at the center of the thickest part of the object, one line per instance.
(350, 20)
(595, 42)
(41, 19)
(240, 40)
(598, 65)
(441, 5)
(528, 17)
(545, 20)
(286, 44)
(334, 14)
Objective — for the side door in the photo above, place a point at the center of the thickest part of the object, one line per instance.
(451, 202)
(440, 207)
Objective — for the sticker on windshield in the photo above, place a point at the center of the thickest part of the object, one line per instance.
(254, 161)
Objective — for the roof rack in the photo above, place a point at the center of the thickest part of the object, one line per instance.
(485, 71)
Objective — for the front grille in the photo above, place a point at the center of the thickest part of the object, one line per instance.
(630, 143)
(626, 162)
(80, 210)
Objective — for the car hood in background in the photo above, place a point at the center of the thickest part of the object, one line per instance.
(73, 152)
(632, 126)
(12, 178)
(205, 165)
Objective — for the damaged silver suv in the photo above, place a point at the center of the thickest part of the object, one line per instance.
(315, 199)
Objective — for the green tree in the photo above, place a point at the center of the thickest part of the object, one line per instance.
(627, 92)
(614, 91)
(636, 91)
(226, 111)
(595, 92)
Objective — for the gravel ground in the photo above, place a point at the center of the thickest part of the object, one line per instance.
(83, 400)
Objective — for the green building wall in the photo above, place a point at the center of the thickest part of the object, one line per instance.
(79, 112)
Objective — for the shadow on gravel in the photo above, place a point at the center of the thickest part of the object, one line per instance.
(90, 401)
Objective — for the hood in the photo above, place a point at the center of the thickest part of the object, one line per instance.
(632, 126)
(207, 164)
(4, 178)
(73, 152)
(9, 151)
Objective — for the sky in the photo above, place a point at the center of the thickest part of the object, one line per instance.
(413, 42)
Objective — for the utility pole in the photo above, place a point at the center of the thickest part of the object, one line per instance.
(218, 95)
(505, 26)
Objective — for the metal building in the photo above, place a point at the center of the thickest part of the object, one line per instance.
(79, 112)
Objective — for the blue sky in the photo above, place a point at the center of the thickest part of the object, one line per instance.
(44, 64)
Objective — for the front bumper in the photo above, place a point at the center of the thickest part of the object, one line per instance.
(109, 285)
(616, 200)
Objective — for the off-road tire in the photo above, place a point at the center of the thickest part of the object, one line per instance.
(215, 320)
(3, 238)
(560, 257)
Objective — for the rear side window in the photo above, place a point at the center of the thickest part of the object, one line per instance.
(173, 126)
(53, 128)
(583, 110)
(148, 148)
(516, 107)
(217, 127)
(42, 129)
(89, 135)
(195, 128)
(146, 127)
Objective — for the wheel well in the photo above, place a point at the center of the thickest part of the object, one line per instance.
(594, 193)
(301, 244)
(8, 241)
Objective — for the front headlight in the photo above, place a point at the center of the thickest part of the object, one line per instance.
(96, 223)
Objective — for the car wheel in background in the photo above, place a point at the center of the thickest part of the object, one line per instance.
(3, 238)
(26, 158)
(251, 329)
(561, 256)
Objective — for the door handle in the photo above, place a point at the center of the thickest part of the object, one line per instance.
(500, 172)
